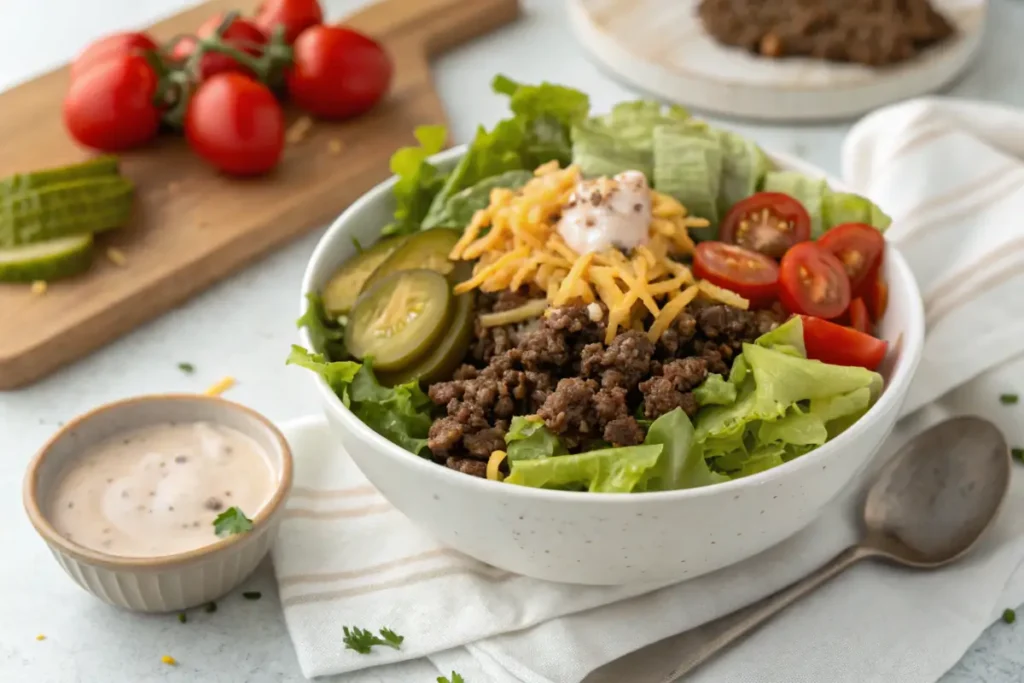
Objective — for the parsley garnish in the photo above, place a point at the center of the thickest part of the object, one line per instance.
(1009, 399)
(362, 641)
(1017, 453)
(252, 595)
(182, 617)
(231, 521)
(456, 678)
(1009, 616)
(210, 607)
(187, 368)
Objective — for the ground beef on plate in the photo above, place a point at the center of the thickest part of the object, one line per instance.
(586, 392)
(870, 32)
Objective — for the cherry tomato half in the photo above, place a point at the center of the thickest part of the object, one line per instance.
(859, 247)
(767, 222)
(236, 124)
(110, 107)
(295, 15)
(748, 273)
(131, 43)
(338, 72)
(241, 34)
(813, 282)
(838, 345)
(876, 296)
(859, 318)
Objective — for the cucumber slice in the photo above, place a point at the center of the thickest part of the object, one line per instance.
(64, 209)
(93, 168)
(344, 286)
(808, 191)
(688, 166)
(46, 261)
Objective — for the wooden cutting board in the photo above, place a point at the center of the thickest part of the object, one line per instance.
(193, 226)
(660, 46)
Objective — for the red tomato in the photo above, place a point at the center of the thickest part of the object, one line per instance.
(241, 34)
(812, 282)
(338, 72)
(295, 15)
(749, 274)
(838, 345)
(236, 124)
(859, 247)
(876, 297)
(112, 46)
(859, 318)
(767, 222)
(111, 107)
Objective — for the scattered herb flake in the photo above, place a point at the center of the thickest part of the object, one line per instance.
(1009, 399)
(456, 678)
(362, 641)
(182, 617)
(231, 521)
(187, 368)
(252, 595)
(210, 607)
(1009, 616)
(1017, 453)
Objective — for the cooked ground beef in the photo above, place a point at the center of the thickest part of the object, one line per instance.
(869, 32)
(586, 392)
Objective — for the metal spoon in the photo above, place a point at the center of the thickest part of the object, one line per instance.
(926, 508)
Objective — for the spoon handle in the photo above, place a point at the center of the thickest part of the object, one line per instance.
(759, 612)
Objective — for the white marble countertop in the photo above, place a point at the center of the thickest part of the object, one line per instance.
(244, 326)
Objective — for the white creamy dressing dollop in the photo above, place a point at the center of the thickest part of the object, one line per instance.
(607, 212)
(156, 490)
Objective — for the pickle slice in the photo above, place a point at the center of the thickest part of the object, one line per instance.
(97, 167)
(427, 250)
(46, 261)
(449, 351)
(344, 286)
(397, 320)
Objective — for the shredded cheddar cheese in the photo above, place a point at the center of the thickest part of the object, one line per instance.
(169, 660)
(516, 243)
(493, 463)
(220, 387)
(39, 287)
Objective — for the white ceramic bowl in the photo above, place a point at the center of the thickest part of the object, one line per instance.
(173, 582)
(614, 538)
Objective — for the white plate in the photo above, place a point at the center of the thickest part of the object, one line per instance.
(660, 46)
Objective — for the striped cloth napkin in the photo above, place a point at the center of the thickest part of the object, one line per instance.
(952, 176)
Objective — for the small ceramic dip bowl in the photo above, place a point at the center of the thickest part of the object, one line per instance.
(134, 441)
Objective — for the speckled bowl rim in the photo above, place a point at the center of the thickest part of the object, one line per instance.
(80, 553)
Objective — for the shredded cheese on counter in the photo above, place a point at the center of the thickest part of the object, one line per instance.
(517, 243)
(220, 387)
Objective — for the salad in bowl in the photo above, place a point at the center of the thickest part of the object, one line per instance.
(625, 302)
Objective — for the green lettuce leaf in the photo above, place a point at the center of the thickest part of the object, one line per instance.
(613, 470)
(841, 207)
(681, 465)
(326, 334)
(529, 439)
(458, 210)
(401, 414)
(715, 391)
(624, 139)
(419, 181)
(787, 336)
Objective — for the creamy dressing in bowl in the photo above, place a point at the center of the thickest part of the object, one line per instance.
(156, 490)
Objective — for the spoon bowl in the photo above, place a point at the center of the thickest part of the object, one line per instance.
(931, 503)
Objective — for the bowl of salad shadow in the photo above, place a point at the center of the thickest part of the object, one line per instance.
(608, 348)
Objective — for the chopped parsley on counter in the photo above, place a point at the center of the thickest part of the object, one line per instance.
(187, 368)
(1009, 399)
(456, 678)
(1009, 616)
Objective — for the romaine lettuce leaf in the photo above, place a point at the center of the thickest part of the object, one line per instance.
(529, 439)
(612, 470)
(418, 180)
(807, 190)
(401, 414)
(688, 166)
(715, 391)
(326, 334)
(681, 465)
(458, 210)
